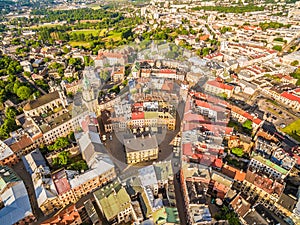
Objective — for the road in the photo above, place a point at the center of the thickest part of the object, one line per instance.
(179, 201)
(286, 48)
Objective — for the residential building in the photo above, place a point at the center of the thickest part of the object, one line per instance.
(260, 188)
(118, 74)
(233, 173)
(73, 87)
(240, 141)
(199, 214)
(290, 99)
(70, 71)
(45, 191)
(272, 170)
(15, 204)
(91, 211)
(156, 176)
(240, 206)
(115, 203)
(7, 156)
(68, 216)
(101, 168)
(218, 88)
(110, 59)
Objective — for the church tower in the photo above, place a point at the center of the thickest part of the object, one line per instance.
(88, 95)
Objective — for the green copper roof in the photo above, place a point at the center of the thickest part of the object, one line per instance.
(86, 83)
(172, 215)
(160, 216)
(113, 199)
(7, 175)
(270, 164)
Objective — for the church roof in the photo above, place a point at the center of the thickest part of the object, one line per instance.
(41, 101)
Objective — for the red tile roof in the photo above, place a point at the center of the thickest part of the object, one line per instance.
(209, 106)
(24, 142)
(167, 71)
(290, 96)
(220, 188)
(245, 114)
(297, 90)
(137, 115)
(287, 77)
(264, 183)
(102, 55)
(61, 182)
(218, 163)
(251, 28)
(65, 217)
(88, 121)
(233, 173)
(204, 37)
(211, 56)
(187, 149)
(219, 85)
(240, 205)
(138, 105)
(189, 116)
(217, 129)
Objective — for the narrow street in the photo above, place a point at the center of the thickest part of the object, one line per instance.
(179, 201)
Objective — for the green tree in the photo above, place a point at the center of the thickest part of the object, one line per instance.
(8, 126)
(16, 86)
(247, 124)
(11, 113)
(79, 166)
(71, 136)
(65, 50)
(277, 48)
(295, 63)
(60, 143)
(27, 74)
(62, 159)
(24, 92)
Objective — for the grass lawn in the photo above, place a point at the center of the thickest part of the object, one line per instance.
(102, 32)
(43, 25)
(113, 35)
(94, 6)
(293, 130)
(237, 151)
(79, 43)
(87, 31)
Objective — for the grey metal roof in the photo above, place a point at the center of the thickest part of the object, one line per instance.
(16, 204)
(140, 144)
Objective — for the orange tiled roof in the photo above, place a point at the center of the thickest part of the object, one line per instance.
(65, 217)
(24, 142)
(233, 173)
